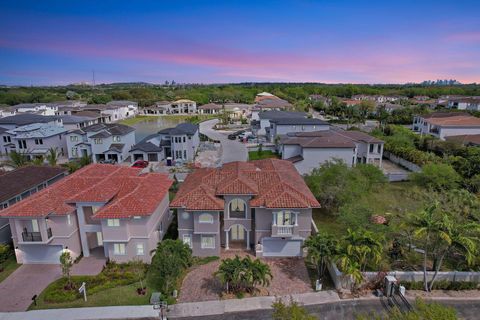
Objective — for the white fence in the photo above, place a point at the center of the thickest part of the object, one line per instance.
(342, 282)
(402, 162)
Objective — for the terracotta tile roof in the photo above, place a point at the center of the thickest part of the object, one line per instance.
(273, 183)
(473, 139)
(126, 193)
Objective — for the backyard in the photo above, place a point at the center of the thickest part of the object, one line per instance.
(265, 154)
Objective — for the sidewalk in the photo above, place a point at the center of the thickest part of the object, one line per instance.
(206, 308)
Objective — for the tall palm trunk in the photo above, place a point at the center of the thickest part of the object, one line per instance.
(437, 269)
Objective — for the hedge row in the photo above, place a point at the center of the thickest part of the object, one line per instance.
(441, 285)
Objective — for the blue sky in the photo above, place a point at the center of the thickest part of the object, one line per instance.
(60, 42)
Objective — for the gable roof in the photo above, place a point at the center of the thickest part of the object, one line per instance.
(124, 190)
(18, 181)
(273, 183)
(182, 128)
(37, 130)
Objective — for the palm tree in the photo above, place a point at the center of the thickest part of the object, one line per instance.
(261, 273)
(322, 247)
(457, 236)
(17, 159)
(52, 156)
(365, 246)
(351, 268)
(426, 226)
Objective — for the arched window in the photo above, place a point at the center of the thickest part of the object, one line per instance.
(205, 218)
(237, 209)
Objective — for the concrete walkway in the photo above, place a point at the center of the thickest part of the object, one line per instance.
(232, 150)
(218, 309)
(90, 266)
(17, 290)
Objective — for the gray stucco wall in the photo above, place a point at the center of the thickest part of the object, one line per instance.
(314, 157)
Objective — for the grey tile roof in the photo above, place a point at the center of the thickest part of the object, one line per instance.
(37, 130)
(17, 181)
(147, 147)
(298, 121)
(113, 128)
(281, 114)
(182, 128)
(116, 147)
(26, 118)
(75, 119)
(101, 134)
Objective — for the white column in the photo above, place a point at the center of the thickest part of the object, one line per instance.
(248, 239)
(226, 240)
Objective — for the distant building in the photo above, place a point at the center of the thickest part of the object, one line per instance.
(464, 103)
(103, 142)
(158, 108)
(179, 143)
(44, 109)
(7, 111)
(183, 106)
(376, 98)
(23, 119)
(77, 122)
(444, 124)
(261, 120)
(210, 108)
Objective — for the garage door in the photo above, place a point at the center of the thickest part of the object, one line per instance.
(281, 248)
(41, 254)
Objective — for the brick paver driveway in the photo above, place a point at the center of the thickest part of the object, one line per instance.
(289, 276)
(17, 290)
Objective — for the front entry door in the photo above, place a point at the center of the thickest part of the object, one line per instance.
(238, 233)
(99, 239)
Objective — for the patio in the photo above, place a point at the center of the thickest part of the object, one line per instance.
(289, 276)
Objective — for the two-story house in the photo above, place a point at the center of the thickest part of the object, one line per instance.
(158, 108)
(261, 120)
(20, 184)
(262, 205)
(282, 126)
(44, 109)
(73, 122)
(114, 210)
(35, 140)
(309, 150)
(183, 106)
(180, 143)
(102, 141)
(127, 109)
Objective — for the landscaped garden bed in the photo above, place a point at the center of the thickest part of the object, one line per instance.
(121, 282)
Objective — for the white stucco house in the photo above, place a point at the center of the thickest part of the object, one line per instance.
(103, 142)
(444, 124)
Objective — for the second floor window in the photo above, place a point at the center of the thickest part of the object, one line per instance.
(237, 209)
(73, 138)
(113, 222)
(205, 218)
(119, 249)
(7, 139)
(38, 141)
(284, 218)
(98, 141)
(22, 144)
(116, 138)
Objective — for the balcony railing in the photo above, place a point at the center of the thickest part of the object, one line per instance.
(284, 230)
(35, 236)
(31, 236)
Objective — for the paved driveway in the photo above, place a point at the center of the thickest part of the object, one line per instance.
(232, 150)
(289, 276)
(17, 290)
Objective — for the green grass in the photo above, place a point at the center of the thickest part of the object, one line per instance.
(118, 296)
(195, 118)
(253, 155)
(393, 200)
(8, 267)
(137, 119)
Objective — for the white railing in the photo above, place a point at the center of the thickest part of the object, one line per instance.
(284, 230)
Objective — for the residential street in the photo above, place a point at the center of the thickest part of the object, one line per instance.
(232, 150)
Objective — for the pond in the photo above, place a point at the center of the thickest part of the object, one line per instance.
(149, 126)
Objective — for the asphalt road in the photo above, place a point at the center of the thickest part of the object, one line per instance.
(345, 310)
(232, 150)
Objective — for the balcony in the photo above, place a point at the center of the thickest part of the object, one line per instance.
(284, 231)
(35, 236)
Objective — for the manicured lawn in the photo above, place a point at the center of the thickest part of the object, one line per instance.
(118, 296)
(137, 119)
(254, 155)
(115, 285)
(8, 267)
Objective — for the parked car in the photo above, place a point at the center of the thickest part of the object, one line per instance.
(140, 164)
(245, 135)
(233, 136)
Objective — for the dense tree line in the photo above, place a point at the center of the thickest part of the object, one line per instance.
(245, 92)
